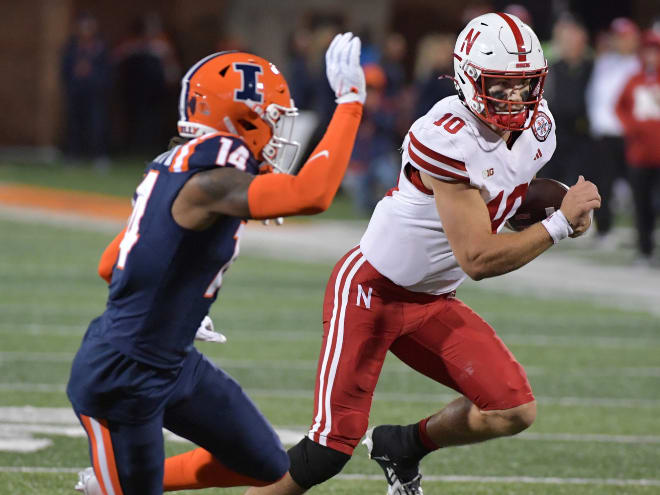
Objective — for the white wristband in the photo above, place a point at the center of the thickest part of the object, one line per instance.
(557, 226)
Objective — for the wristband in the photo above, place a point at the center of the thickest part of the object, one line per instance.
(557, 226)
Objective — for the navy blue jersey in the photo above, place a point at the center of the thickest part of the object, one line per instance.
(166, 276)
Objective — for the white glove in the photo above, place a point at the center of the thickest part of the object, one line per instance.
(205, 332)
(342, 66)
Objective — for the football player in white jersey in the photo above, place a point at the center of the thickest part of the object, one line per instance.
(466, 166)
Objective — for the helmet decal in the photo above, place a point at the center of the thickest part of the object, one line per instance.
(542, 126)
(192, 104)
(249, 87)
(469, 40)
(522, 57)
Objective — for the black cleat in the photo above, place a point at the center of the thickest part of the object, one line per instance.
(403, 478)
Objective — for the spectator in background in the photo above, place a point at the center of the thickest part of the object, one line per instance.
(638, 109)
(394, 52)
(86, 75)
(323, 27)
(374, 166)
(434, 60)
(565, 90)
(611, 70)
(521, 12)
(302, 85)
(400, 95)
(148, 70)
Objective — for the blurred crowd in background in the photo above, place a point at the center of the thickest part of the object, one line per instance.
(603, 89)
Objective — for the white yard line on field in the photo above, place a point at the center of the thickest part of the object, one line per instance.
(517, 479)
(38, 469)
(392, 367)
(60, 219)
(533, 340)
(22, 422)
(624, 403)
(427, 478)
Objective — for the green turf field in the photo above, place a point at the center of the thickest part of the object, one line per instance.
(595, 372)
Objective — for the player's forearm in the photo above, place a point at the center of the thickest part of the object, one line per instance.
(109, 257)
(315, 186)
(503, 253)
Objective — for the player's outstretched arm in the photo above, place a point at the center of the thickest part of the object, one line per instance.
(482, 254)
(109, 257)
(232, 192)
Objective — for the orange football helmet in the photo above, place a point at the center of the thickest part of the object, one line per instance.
(243, 94)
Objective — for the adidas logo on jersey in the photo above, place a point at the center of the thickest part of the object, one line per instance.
(538, 154)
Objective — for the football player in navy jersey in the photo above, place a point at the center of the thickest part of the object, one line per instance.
(137, 370)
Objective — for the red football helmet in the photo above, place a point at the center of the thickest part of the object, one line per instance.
(243, 94)
(498, 55)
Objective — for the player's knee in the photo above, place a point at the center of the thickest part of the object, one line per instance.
(517, 419)
(312, 464)
(275, 466)
(140, 477)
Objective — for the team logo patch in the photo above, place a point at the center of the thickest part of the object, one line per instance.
(541, 126)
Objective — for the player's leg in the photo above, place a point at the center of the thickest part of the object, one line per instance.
(459, 349)
(642, 183)
(204, 408)
(238, 445)
(355, 343)
(127, 458)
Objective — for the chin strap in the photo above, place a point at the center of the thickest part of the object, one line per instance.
(511, 121)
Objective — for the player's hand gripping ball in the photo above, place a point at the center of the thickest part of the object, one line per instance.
(543, 198)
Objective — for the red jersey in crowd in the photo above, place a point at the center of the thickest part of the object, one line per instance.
(638, 109)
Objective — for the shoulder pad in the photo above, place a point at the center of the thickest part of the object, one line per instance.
(214, 150)
(432, 149)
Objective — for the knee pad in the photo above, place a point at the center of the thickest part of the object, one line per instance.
(312, 464)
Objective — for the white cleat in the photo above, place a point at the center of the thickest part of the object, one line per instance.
(87, 482)
(206, 332)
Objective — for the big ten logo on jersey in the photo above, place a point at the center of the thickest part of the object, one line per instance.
(452, 123)
(251, 89)
(502, 206)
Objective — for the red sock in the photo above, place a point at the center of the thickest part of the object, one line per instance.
(424, 436)
(199, 469)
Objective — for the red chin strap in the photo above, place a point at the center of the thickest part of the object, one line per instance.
(510, 121)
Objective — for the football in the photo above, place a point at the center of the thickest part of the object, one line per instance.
(543, 198)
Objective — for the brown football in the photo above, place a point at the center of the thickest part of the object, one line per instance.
(543, 198)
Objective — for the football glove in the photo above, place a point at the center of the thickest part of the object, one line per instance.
(342, 66)
(206, 333)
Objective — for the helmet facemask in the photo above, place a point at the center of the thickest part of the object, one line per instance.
(493, 103)
(281, 151)
(506, 100)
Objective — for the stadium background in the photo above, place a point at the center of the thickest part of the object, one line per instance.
(584, 321)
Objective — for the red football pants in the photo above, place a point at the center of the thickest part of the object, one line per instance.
(365, 315)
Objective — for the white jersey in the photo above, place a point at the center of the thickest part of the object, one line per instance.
(405, 240)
